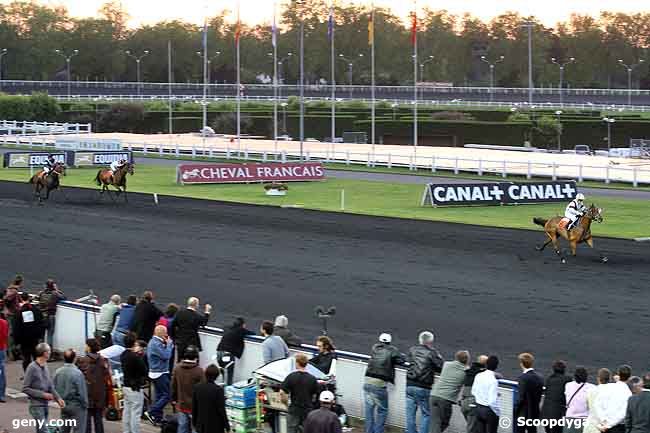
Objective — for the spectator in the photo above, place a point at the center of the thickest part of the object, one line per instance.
(424, 363)
(145, 317)
(446, 390)
(70, 384)
(124, 320)
(637, 417)
(273, 347)
(593, 419)
(168, 317)
(48, 300)
(611, 404)
(134, 369)
(4, 342)
(11, 304)
(280, 329)
(326, 354)
(575, 394)
(38, 386)
(380, 371)
(323, 420)
(98, 380)
(468, 402)
(209, 405)
(303, 388)
(159, 352)
(186, 324)
(636, 385)
(232, 342)
(28, 329)
(187, 373)
(531, 388)
(486, 394)
(555, 402)
(108, 313)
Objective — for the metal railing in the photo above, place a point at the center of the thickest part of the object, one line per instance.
(12, 127)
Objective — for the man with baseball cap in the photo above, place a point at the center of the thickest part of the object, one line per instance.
(323, 420)
(380, 372)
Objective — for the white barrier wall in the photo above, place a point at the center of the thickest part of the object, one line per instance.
(76, 322)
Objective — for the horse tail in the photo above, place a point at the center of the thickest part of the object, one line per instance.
(540, 221)
(31, 179)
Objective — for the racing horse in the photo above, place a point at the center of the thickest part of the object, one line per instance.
(106, 177)
(47, 182)
(555, 228)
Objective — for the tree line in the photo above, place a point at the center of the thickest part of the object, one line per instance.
(32, 33)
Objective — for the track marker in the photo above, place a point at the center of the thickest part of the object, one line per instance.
(155, 198)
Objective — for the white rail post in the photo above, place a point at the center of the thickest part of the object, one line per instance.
(390, 162)
(529, 173)
(160, 149)
(554, 171)
(456, 166)
(635, 182)
(264, 156)
(504, 174)
(347, 157)
(246, 154)
(480, 167)
(284, 156)
(607, 174)
(178, 151)
(580, 179)
(227, 153)
(368, 163)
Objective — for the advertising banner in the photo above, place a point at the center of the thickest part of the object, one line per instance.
(86, 143)
(244, 173)
(34, 159)
(86, 159)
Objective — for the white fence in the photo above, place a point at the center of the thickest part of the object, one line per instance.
(76, 322)
(11, 127)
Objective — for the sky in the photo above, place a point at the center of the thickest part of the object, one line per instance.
(261, 11)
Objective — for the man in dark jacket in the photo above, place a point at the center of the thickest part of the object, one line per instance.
(124, 320)
(209, 405)
(48, 300)
(468, 402)
(555, 403)
(96, 371)
(380, 371)
(232, 342)
(637, 416)
(302, 387)
(135, 377)
(531, 388)
(280, 328)
(28, 329)
(145, 317)
(323, 420)
(186, 375)
(186, 324)
(424, 363)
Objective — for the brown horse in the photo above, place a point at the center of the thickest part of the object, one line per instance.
(580, 233)
(47, 182)
(106, 177)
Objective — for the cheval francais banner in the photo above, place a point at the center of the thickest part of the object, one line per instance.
(245, 173)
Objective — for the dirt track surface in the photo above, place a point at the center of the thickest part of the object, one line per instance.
(483, 289)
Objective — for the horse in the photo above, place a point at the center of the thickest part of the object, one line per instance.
(105, 178)
(48, 182)
(581, 232)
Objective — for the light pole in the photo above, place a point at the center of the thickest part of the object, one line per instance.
(138, 59)
(562, 66)
(67, 63)
(350, 63)
(529, 25)
(609, 121)
(429, 60)
(284, 118)
(282, 71)
(2, 54)
(558, 113)
(210, 59)
(630, 69)
(492, 67)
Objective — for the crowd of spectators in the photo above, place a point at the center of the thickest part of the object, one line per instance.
(162, 349)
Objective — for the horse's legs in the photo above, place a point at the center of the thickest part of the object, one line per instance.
(540, 249)
(590, 242)
(125, 199)
(574, 246)
(556, 245)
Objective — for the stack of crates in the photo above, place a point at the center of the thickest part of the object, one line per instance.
(241, 400)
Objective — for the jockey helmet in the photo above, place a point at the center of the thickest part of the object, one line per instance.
(580, 196)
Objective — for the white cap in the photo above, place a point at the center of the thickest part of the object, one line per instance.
(281, 321)
(385, 338)
(326, 397)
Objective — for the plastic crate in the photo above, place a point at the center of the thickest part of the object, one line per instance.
(241, 403)
(235, 427)
(242, 416)
(242, 392)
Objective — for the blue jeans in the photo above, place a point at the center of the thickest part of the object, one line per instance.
(51, 324)
(40, 414)
(161, 387)
(185, 423)
(376, 408)
(417, 398)
(3, 374)
(118, 338)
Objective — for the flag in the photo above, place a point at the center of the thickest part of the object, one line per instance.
(330, 24)
(414, 27)
(371, 28)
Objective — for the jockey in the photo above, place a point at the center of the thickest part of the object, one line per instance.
(50, 163)
(575, 209)
(116, 165)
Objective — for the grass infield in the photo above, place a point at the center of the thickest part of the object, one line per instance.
(624, 218)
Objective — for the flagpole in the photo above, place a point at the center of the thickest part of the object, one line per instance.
(302, 82)
(372, 77)
(205, 74)
(274, 39)
(237, 35)
(415, 83)
(333, 79)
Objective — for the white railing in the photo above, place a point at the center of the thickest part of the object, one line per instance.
(76, 322)
(43, 128)
(503, 168)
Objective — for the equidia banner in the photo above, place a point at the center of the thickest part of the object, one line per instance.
(86, 143)
(34, 159)
(243, 173)
(498, 193)
(83, 159)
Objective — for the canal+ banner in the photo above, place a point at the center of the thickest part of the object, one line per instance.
(245, 173)
(498, 193)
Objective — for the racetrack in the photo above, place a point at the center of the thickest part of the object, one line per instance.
(483, 289)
